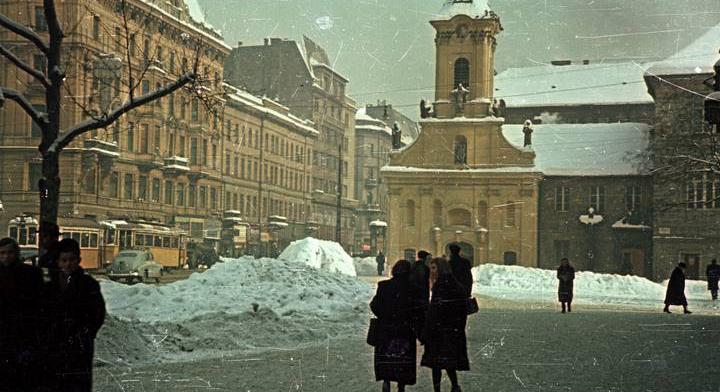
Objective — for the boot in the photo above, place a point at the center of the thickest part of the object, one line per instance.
(569, 307)
(686, 311)
(456, 388)
(666, 309)
(563, 307)
(386, 386)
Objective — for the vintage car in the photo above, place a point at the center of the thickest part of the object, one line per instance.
(135, 266)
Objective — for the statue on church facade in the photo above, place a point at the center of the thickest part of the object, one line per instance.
(527, 130)
(460, 95)
(396, 137)
(425, 109)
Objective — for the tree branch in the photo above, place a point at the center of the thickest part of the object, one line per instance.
(37, 117)
(24, 32)
(68, 136)
(52, 20)
(23, 66)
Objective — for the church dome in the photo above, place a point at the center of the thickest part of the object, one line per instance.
(471, 8)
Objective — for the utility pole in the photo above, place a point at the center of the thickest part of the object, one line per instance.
(338, 212)
(260, 187)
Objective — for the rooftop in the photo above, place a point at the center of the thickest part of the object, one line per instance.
(471, 8)
(698, 57)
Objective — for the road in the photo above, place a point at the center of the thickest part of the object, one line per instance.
(512, 347)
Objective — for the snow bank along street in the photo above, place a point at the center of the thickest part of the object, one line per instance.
(306, 296)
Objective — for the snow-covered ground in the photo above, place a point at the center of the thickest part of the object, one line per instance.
(326, 255)
(537, 285)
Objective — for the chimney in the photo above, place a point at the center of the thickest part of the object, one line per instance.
(267, 41)
(240, 43)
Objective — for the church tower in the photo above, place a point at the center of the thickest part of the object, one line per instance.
(461, 180)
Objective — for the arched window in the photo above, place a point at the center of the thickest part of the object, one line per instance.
(459, 217)
(510, 214)
(460, 148)
(410, 213)
(482, 217)
(462, 73)
(437, 213)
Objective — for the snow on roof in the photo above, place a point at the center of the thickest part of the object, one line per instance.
(196, 11)
(198, 26)
(471, 8)
(698, 57)
(415, 169)
(616, 149)
(551, 85)
(364, 122)
(378, 223)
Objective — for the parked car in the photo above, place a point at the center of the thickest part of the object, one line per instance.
(135, 265)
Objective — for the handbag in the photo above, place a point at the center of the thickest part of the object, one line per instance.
(372, 336)
(472, 305)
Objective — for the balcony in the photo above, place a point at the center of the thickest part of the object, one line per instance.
(371, 183)
(102, 148)
(176, 165)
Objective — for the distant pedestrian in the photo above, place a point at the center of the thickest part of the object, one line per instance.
(76, 310)
(675, 294)
(20, 288)
(420, 289)
(566, 277)
(380, 261)
(462, 269)
(395, 348)
(713, 276)
(444, 332)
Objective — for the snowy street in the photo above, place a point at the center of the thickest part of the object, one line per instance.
(512, 346)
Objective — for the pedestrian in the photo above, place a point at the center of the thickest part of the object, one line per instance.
(566, 276)
(75, 309)
(713, 275)
(444, 332)
(380, 261)
(420, 288)
(675, 294)
(20, 289)
(461, 268)
(395, 348)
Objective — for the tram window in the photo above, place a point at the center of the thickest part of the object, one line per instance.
(140, 240)
(158, 241)
(32, 232)
(110, 236)
(14, 233)
(85, 240)
(22, 240)
(174, 242)
(93, 240)
(148, 240)
(75, 236)
(125, 239)
(166, 242)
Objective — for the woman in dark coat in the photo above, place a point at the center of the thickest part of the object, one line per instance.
(75, 310)
(675, 294)
(566, 276)
(395, 352)
(444, 333)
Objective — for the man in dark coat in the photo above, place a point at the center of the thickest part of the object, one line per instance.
(566, 278)
(675, 294)
(380, 261)
(444, 332)
(461, 269)
(20, 288)
(713, 276)
(395, 353)
(420, 288)
(75, 309)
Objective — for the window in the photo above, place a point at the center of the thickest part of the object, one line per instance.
(181, 195)
(171, 144)
(145, 139)
(203, 197)
(213, 198)
(114, 188)
(227, 162)
(460, 149)
(242, 168)
(561, 249)
(128, 187)
(156, 141)
(39, 62)
(482, 218)
(168, 192)
(227, 200)
(145, 87)
(191, 195)
(195, 115)
(597, 198)
(156, 190)
(181, 146)
(437, 213)
(142, 188)
(96, 27)
(562, 198)
(89, 181)
(410, 213)
(214, 156)
(171, 105)
(703, 192)
(40, 22)
(34, 176)
(133, 46)
(632, 198)
(459, 217)
(462, 72)
(193, 151)
(118, 40)
(510, 214)
(131, 137)
(204, 152)
(236, 164)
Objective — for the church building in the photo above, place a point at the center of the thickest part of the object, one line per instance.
(461, 180)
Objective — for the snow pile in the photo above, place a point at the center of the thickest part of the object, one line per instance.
(239, 305)
(365, 266)
(523, 284)
(325, 255)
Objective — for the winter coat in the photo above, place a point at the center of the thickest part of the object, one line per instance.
(20, 290)
(420, 291)
(380, 259)
(713, 275)
(395, 353)
(566, 276)
(444, 332)
(75, 314)
(675, 294)
(462, 270)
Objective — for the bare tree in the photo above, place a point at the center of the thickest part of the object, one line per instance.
(97, 115)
